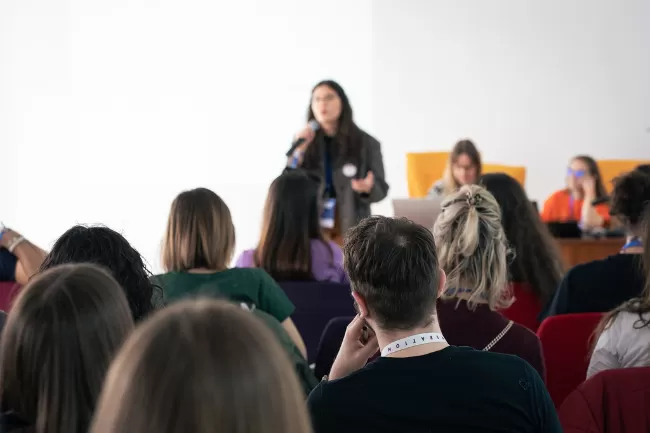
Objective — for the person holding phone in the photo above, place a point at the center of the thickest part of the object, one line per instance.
(584, 185)
(346, 158)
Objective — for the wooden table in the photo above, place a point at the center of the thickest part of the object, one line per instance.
(578, 251)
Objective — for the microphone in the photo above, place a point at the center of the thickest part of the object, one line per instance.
(314, 126)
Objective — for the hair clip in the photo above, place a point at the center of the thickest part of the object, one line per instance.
(473, 200)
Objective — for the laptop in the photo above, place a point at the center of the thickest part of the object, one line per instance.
(422, 211)
(565, 230)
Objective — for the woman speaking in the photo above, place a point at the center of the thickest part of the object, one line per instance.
(347, 159)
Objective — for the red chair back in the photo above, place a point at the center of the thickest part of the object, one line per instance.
(566, 341)
(526, 307)
(610, 401)
(8, 291)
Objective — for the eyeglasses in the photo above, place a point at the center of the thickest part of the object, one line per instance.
(576, 173)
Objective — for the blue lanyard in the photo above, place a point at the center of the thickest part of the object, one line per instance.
(634, 243)
(328, 171)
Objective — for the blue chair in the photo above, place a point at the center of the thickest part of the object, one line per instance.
(316, 304)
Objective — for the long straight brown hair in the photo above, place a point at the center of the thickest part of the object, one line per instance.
(202, 366)
(59, 340)
(291, 223)
(463, 147)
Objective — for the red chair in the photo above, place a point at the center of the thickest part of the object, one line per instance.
(611, 401)
(526, 307)
(566, 342)
(8, 291)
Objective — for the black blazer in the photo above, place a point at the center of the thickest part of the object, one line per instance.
(352, 206)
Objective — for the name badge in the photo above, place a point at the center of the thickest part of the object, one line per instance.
(327, 216)
(349, 170)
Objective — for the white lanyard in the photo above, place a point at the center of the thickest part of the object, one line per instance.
(412, 341)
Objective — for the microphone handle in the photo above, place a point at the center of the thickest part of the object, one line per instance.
(294, 145)
(600, 201)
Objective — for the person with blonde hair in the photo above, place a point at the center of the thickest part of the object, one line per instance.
(421, 382)
(463, 168)
(201, 366)
(473, 252)
(198, 247)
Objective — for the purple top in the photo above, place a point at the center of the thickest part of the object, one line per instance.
(324, 266)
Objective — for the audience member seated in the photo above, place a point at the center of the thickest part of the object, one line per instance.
(603, 285)
(105, 247)
(19, 258)
(420, 383)
(62, 333)
(613, 401)
(199, 245)
(535, 270)
(463, 168)
(201, 366)
(574, 203)
(292, 247)
(624, 333)
(473, 252)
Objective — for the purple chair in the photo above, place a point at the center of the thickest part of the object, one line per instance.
(329, 345)
(316, 304)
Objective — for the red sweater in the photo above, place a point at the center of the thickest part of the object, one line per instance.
(613, 401)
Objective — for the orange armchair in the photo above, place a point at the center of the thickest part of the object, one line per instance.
(516, 172)
(423, 169)
(611, 168)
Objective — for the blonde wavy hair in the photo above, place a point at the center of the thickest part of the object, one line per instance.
(472, 248)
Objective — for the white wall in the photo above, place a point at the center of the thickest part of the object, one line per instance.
(109, 109)
(532, 82)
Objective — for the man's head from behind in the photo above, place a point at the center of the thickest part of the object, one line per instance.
(393, 270)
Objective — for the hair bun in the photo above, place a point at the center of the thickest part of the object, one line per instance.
(474, 200)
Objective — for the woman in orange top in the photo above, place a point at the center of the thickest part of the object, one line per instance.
(584, 185)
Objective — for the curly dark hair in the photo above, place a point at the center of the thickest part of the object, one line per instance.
(536, 260)
(630, 196)
(103, 246)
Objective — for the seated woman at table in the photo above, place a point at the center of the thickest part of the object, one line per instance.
(19, 258)
(463, 168)
(624, 333)
(602, 285)
(198, 246)
(473, 252)
(292, 246)
(575, 202)
(536, 268)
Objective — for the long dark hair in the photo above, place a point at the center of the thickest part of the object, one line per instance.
(105, 247)
(291, 222)
(592, 167)
(348, 135)
(61, 335)
(536, 260)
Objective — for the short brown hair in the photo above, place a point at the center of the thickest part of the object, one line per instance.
(200, 233)
(59, 340)
(392, 263)
(202, 366)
